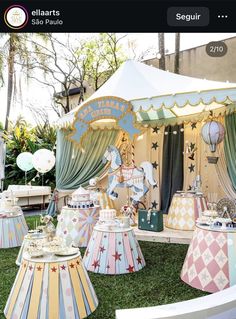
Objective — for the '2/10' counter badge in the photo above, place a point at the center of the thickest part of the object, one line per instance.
(16, 17)
(216, 49)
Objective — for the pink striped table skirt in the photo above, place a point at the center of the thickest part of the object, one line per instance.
(113, 252)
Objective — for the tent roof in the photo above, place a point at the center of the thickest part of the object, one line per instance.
(161, 95)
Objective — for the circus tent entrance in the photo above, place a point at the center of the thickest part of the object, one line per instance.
(170, 111)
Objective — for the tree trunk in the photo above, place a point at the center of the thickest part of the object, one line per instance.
(11, 58)
(67, 107)
(161, 43)
(81, 94)
(177, 56)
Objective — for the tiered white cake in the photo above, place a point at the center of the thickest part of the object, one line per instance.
(8, 202)
(81, 195)
(81, 199)
(208, 217)
(210, 213)
(107, 215)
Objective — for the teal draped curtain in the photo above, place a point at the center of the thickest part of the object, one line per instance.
(75, 167)
(230, 146)
(52, 207)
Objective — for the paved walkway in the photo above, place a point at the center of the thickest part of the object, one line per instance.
(33, 212)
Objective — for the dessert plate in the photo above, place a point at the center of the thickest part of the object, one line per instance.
(67, 252)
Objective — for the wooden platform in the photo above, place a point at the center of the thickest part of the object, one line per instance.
(168, 235)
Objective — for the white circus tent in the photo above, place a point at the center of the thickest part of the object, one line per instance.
(162, 96)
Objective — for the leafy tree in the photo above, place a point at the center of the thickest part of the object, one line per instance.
(12, 49)
(21, 137)
(14, 54)
(56, 65)
(106, 56)
(65, 62)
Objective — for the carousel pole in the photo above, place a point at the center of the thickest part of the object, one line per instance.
(185, 154)
(133, 156)
(185, 167)
(148, 199)
(128, 196)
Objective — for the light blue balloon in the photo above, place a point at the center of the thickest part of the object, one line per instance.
(24, 161)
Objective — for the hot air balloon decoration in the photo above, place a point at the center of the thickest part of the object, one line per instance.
(213, 133)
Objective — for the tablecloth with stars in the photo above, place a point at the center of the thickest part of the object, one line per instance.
(51, 289)
(210, 263)
(75, 225)
(12, 230)
(113, 252)
(184, 210)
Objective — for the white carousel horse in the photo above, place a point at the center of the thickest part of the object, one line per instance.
(122, 176)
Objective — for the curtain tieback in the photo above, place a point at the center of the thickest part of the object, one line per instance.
(55, 196)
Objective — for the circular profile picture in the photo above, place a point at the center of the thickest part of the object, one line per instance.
(16, 17)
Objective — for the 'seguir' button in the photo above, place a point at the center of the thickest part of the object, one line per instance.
(188, 16)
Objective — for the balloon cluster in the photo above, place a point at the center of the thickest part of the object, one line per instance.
(42, 160)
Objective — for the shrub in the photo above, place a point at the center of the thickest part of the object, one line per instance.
(23, 138)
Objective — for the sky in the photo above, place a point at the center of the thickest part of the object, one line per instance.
(188, 40)
(36, 94)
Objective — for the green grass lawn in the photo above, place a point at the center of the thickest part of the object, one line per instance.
(158, 283)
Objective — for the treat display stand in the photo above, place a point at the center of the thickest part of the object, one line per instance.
(75, 225)
(13, 228)
(185, 208)
(210, 262)
(27, 239)
(51, 288)
(113, 251)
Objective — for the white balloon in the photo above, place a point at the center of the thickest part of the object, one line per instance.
(43, 160)
(24, 161)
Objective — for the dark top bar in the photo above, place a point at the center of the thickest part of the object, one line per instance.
(119, 16)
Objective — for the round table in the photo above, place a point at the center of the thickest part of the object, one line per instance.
(184, 210)
(76, 225)
(50, 289)
(113, 251)
(13, 228)
(210, 263)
